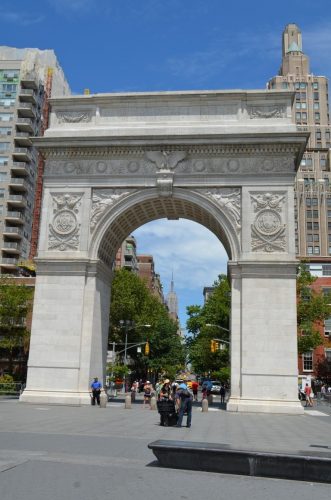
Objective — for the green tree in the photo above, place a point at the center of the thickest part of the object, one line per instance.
(132, 300)
(215, 311)
(313, 307)
(15, 304)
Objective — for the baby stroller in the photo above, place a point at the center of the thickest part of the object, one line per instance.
(167, 411)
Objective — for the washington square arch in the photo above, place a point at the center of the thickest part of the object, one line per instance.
(113, 162)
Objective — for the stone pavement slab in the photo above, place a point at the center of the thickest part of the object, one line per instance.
(87, 453)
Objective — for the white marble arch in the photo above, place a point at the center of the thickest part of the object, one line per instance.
(114, 162)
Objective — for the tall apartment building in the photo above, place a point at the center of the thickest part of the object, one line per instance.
(311, 113)
(147, 273)
(23, 77)
(126, 255)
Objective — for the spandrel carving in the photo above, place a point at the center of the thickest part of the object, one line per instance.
(64, 228)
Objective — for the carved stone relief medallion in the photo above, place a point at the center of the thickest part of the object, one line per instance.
(268, 232)
(64, 228)
(102, 199)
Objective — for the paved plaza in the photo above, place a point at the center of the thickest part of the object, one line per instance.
(87, 453)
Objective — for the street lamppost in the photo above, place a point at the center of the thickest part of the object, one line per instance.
(128, 325)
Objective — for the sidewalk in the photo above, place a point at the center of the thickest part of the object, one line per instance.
(89, 453)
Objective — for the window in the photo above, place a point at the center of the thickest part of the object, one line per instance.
(1, 209)
(3, 160)
(2, 193)
(326, 270)
(318, 136)
(323, 163)
(316, 105)
(316, 96)
(313, 226)
(4, 146)
(328, 355)
(5, 131)
(327, 327)
(7, 102)
(303, 85)
(309, 250)
(328, 202)
(3, 176)
(312, 214)
(298, 105)
(6, 117)
(317, 117)
(303, 105)
(327, 136)
(298, 117)
(304, 116)
(307, 359)
(316, 250)
(284, 85)
(315, 85)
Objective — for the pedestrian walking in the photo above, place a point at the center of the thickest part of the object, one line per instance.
(184, 399)
(148, 389)
(95, 391)
(309, 401)
(195, 387)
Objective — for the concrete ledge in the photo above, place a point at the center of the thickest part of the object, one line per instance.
(298, 465)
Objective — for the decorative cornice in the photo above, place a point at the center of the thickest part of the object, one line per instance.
(206, 150)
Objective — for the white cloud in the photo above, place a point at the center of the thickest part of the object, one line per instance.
(65, 6)
(20, 18)
(189, 250)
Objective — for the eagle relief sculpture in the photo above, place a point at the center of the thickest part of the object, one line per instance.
(166, 160)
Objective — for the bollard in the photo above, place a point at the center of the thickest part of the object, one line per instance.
(204, 405)
(210, 399)
(153, 403)
(128, 402)
(103, 400)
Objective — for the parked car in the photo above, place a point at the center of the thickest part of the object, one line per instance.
(216, 389)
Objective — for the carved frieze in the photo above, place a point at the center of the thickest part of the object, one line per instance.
(266, 111)
(73, 116)
(64, 228)
(141, 165)
(229, 200)
(102, 199)
(267, 231)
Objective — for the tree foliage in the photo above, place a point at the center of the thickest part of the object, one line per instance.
(215, 313)
(313, 307)
(15, 304)
(132, 300)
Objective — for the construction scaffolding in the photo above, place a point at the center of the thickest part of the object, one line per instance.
(40, 168)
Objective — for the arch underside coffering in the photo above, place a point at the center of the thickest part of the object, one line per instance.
(117, 225)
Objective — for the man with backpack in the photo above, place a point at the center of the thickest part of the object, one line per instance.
(184, 398)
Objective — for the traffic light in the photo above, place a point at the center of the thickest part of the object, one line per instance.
(212, 346)
(147, 348)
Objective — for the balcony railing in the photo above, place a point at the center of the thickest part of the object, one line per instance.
(17, 200)
(9, 261)
(11, 214)
(19, 184)
(9, 246)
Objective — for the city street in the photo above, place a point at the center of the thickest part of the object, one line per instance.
(89, 453)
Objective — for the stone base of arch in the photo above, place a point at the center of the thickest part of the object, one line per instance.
(56, 398)
(240, 405)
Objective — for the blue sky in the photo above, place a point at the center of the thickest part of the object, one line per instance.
(141, 45)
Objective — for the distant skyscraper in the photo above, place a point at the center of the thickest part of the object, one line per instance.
(24, 74)
(311, 113)
(172, 301)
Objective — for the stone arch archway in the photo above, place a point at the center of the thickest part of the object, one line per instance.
(224, 159)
